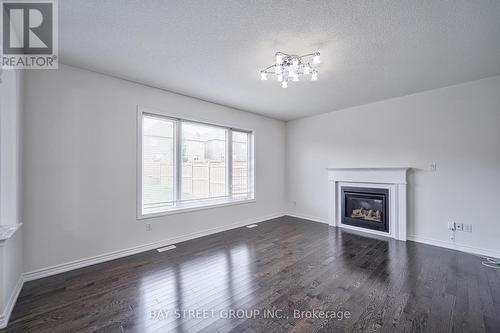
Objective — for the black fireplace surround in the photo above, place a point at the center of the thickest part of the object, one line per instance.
(365, 207)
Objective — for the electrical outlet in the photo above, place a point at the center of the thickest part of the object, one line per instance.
(148, 227)
(451, 225)
(468, 227)
(433, 166)
(460, 227)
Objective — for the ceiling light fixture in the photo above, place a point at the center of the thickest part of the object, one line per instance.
(289, 66)
(316, 59)
(279, 58)
(314, 75)
(307, 70)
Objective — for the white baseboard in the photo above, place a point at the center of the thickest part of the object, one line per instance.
(424, 240)
(310, 218)
(61, 268)
(4, 317)
(454, 246)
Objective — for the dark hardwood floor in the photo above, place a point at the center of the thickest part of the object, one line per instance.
(278, 269)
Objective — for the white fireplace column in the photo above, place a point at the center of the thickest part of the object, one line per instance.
(392, 179)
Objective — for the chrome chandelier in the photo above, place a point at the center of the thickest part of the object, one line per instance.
(288, 67)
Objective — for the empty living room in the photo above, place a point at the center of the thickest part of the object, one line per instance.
(249, 166)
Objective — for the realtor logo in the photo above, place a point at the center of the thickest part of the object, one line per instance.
(29, 34)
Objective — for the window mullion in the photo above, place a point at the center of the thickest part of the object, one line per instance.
(250, 164)
(178, 161)
(229, 159)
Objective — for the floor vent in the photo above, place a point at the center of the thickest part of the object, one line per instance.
(252, 226)
(166, 248)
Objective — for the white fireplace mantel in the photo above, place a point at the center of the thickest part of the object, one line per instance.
(393, 179)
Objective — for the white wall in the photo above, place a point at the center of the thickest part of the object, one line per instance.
(79, 166)
(457, 127)
(9, 147)
(11, 250)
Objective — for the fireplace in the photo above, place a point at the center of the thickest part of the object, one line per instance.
(359, 180)
(365, 207)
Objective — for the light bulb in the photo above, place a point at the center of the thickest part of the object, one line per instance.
(314, 76)
(316, 58)
(284, 84)
(263, 76)
(280, 77)
(279, 58)
(278, 70)
(306, 69)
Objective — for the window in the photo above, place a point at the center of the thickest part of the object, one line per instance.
(187, 165)
(204, 171)
(240, 170)
(157, 162)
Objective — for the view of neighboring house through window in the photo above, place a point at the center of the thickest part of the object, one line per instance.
(203, 162)
(189, 164)
(157, 162)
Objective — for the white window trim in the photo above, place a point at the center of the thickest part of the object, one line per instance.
(202, 205)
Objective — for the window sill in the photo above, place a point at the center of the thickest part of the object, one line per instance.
(7, 231)
(187, 209)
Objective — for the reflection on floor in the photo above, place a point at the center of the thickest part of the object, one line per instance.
(282, 276)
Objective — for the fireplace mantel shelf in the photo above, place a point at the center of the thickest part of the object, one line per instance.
(370, 169)
(381, 168)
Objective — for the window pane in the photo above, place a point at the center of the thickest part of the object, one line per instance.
(240, 163)
(203, 161)
(157, 163)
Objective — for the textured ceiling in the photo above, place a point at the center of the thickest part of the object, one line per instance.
(213, 50)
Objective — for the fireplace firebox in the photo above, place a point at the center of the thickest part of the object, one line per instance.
(365, 207)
